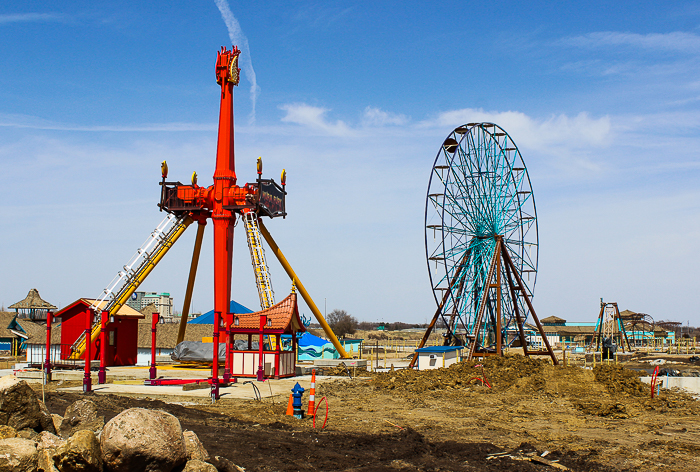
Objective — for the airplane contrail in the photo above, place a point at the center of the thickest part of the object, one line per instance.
(237, 37)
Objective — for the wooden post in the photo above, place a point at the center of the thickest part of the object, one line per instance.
(47, 364)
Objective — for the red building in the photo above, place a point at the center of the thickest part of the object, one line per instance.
(122, 332)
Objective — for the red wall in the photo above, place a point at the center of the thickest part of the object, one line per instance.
(125, 330)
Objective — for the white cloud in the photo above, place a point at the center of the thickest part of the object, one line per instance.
(235, 34)
(375, 117)
(578, 131)
(31, 17)
(677, 41)
(314, 118)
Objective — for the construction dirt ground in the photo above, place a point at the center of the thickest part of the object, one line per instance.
(534, 416)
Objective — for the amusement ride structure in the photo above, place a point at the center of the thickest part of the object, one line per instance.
(610, 330)
(481, 242)
(223, 202)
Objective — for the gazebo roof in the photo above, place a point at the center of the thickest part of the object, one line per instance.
(553, 319)
(281, 316)
(32, 301)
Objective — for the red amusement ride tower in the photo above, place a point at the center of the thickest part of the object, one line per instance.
(224, 200)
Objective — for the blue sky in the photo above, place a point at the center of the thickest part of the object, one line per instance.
(354, 100)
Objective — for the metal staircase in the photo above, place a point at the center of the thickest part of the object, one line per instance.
(257, 257)
(133, 273)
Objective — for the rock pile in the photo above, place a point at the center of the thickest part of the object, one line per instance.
(136, 440)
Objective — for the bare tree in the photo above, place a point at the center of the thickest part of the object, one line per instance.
(341, 322)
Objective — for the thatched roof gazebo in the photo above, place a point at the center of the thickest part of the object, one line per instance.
(33, 307)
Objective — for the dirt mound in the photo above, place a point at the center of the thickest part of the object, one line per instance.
(618, 380)
(500, 373)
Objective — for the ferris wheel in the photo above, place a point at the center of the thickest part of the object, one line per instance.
(481, 239)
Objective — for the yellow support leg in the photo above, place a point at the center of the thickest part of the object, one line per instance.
(190, 282)
(305, 295)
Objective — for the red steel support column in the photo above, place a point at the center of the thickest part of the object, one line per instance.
(261, 345)
(47, 363)
(154, 324)
(87, 381)
(227, 328)
(102, 375)
(224, 179)
(278, 352)
(215, 358)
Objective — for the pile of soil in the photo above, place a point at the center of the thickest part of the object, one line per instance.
(501, 373)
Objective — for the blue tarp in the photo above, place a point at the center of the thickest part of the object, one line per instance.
(208, 317)
(308, 339)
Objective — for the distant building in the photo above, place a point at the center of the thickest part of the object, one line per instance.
(163, 302)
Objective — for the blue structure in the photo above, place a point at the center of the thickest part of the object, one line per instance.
(208, 317)
(436, 357)
(312, 347)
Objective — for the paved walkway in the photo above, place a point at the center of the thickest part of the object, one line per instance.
(243, 389)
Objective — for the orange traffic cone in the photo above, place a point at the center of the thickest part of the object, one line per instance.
(290, 407)
(312, 395)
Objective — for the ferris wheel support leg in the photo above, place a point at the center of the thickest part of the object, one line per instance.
(518, 318)
(508, 261)
(190, 281)
(495, 260)
(305, 295)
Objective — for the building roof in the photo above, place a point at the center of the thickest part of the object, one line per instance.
(6, 319)
(32, 301)
(37, 333)
(166, 334)
(208, 317)
(32, 329)
(283, 315)
(440, 349)
(125, 311)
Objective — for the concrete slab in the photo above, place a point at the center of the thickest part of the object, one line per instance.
(689, 384)
(277, 389)
(336, 362)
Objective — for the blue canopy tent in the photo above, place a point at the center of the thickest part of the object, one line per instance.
(208, 317)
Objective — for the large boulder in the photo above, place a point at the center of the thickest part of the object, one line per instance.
(139, 440)
(57, 420)
(46, 440)
(80, 453)
(20, 408)
(45, 462)
(47, 445)
(195, 465)
(81, 415)
(195, 448)
(17, 455)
